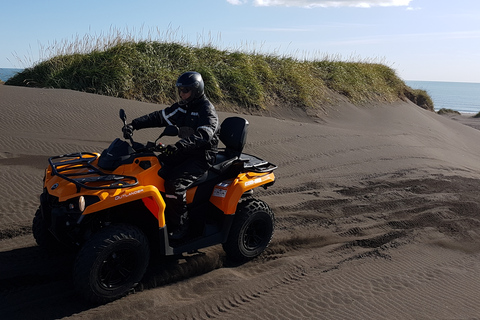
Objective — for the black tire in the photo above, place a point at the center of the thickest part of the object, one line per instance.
(111, 263)
(251, 232)
(43, 237)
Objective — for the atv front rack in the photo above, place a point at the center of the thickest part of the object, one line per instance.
(78, 169)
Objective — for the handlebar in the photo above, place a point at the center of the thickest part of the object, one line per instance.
(150, 146)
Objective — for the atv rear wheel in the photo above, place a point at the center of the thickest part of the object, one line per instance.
(251, 231)
(111, 263)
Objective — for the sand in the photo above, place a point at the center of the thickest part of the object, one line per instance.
(376, 206)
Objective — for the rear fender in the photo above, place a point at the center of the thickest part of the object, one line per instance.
(227, 194)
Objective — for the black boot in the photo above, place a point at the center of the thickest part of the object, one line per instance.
(182, 230)
(179, 233)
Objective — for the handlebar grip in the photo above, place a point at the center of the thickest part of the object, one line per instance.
(160, 147)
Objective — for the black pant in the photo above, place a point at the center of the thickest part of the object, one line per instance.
(179, 176)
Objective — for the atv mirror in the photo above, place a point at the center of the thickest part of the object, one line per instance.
(123, 116)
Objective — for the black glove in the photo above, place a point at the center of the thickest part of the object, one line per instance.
(160, 147)
(127, 131)
(170, 150)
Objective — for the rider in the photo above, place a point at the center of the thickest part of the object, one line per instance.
(189, 158)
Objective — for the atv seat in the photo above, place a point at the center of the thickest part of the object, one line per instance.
(233, 134)
(230, 161)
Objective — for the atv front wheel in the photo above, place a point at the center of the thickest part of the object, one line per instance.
(43, 237)
(251, 231)
(111, 263)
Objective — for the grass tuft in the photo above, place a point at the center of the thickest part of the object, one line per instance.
(419, 97)
(448, 111)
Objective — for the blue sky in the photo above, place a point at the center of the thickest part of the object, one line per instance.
(433, 40)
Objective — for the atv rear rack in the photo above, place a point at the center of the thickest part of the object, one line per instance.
(80, 164)
(255, 164)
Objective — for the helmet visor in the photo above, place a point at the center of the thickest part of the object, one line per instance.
(184, 90)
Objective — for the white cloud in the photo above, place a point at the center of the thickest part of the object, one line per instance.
(236, 2)
(325, 3)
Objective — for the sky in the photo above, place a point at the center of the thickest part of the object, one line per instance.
(429, 40)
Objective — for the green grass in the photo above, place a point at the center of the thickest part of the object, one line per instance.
(146, 71)
(447, 111)
(420, 97)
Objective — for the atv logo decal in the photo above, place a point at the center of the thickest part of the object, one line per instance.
(224, 184)
(126, 195)
(55, 186)
(250, 182)
(220, 193)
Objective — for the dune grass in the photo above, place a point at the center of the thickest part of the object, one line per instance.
(420, 97)
(448, 111)
(146, 70)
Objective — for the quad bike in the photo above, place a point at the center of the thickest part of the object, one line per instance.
(111, 208)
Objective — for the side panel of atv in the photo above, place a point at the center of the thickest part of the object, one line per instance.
(148, 194)
(227, 194)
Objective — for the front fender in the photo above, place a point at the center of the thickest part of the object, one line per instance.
(150, 196)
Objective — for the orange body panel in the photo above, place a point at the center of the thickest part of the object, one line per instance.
(191, 194)
(227, 194)
(149, 185)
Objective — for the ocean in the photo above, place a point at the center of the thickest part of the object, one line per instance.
(7, 73)
(463, 97)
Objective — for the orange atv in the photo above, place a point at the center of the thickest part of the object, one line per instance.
(111, 206)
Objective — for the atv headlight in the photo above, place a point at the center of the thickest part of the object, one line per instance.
(81, 203)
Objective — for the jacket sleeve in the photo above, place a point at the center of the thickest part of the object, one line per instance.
(205, 132)
(154, 119)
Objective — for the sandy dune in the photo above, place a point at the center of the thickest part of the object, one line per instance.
(376, 206)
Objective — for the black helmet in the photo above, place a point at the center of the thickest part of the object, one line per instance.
(193, 81)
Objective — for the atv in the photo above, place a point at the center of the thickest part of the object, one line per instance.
(110, 209)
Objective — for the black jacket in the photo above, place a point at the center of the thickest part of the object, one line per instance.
(198, 127)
